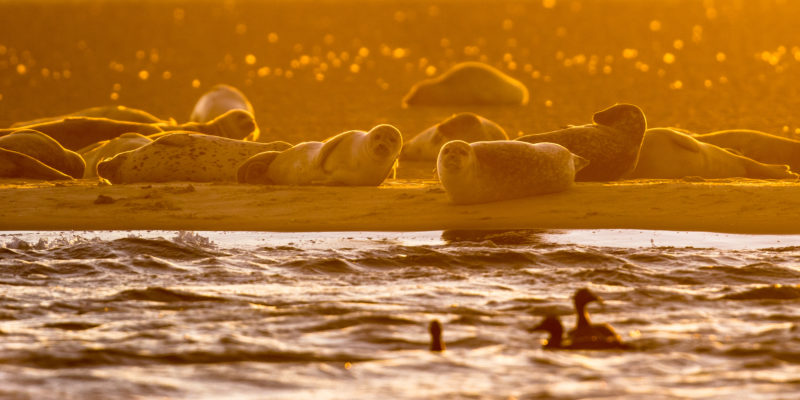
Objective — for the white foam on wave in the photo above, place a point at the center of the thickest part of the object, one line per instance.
(618, 238)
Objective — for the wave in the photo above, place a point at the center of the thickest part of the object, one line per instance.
(774, 292)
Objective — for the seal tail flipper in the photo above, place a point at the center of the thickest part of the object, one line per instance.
(255, 169)
(756, 169)
(579, 162)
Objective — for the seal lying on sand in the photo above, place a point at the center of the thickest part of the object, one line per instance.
(117, 113)
(669, 154)
(353, 158)
(14, 164)
(77, 132)
(99, 151)
(759, 146)
(183, 156)
(463, 126)
(468, 83)
(46, 150)
(611, 143)
(490, 171)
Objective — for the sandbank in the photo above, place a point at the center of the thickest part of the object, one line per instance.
(723, 205)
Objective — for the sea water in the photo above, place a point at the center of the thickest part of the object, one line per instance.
(252, 315)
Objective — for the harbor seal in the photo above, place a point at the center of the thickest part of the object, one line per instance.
(233, 124)
(353, 158)
(759, 146)
(117, 113)
(468, 83)
(75, 133)
(483, 172)
(611, 143)
(45, 149)
(669, 154)
(219, 100)
(183, 156)
(466, 126)
(14, 164)
(97, 152)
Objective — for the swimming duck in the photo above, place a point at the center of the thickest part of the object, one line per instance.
(552, 325)
(586, 334)
(437, 344)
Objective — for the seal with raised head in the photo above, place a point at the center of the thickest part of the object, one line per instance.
(233, 124)
(219, 100)
(669, 154)
(483, 172)
(611, 143)
(468, 83)
(99, 151)
(759, 146)
(117, 113)
(183, 156)
(353, 158)
(465, 126)
(45, 149)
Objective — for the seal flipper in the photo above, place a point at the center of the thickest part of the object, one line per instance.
(328, 147)
(255, 169)
(685, 142)
(579, 162)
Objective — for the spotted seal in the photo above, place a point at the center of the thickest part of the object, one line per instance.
(183, 156)
(759, 146)
(117, 113)
(611, 143)
(75, 133)
(99, 151)
(352, 158)
(483, 172)
(669, 154)
(46, 150)
(14, 164)
(465, 126)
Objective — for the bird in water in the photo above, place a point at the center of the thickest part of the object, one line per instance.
(552, 325)
(585, 332)
(585, 335)
(437, 344)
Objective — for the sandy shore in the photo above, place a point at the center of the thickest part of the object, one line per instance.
(314, 69)
(735, 206)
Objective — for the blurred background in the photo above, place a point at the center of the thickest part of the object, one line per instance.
(315, 68)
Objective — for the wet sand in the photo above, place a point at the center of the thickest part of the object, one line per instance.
(314, 69)
(735, 206)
